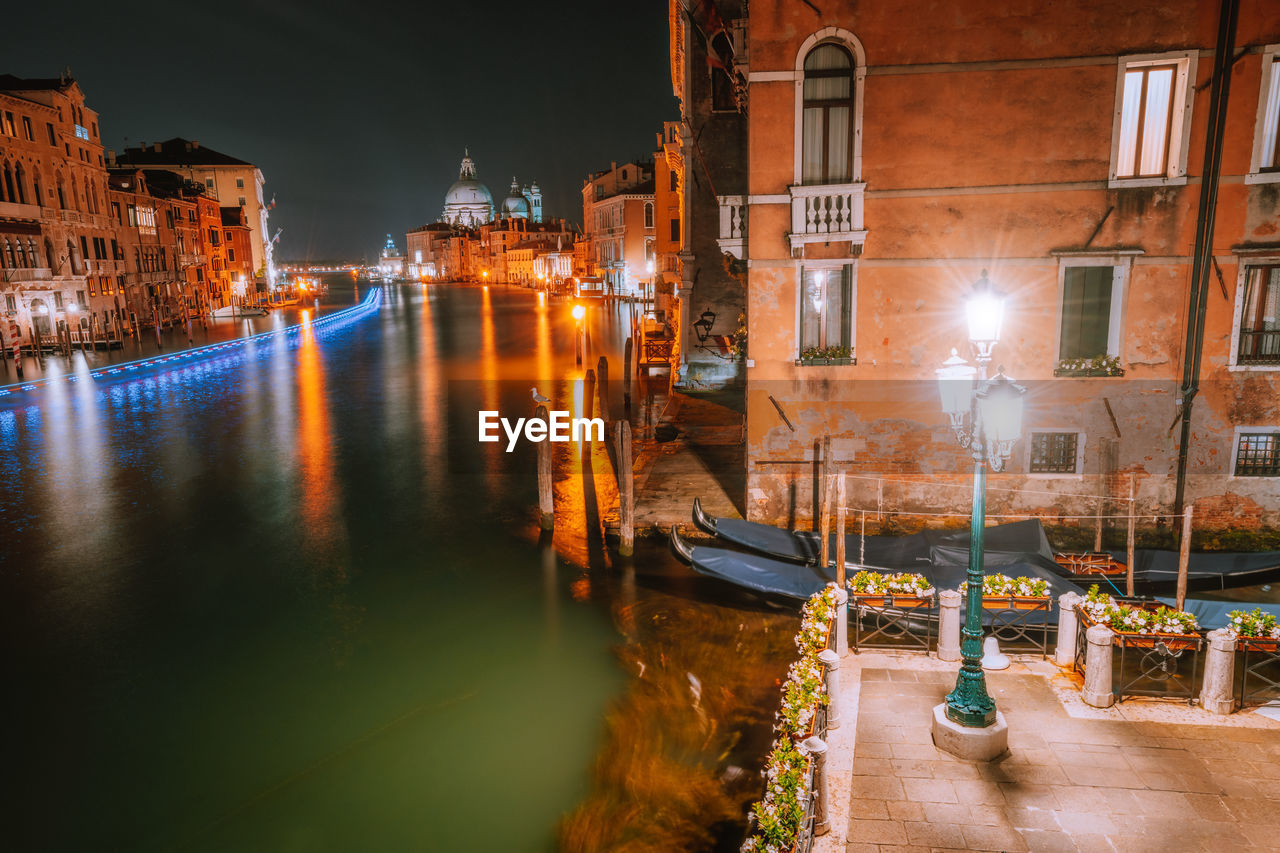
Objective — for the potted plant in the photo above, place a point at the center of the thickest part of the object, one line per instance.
(1144, 622)
(817, 618)
(1255, 629)
(780, 815)
(900, 588)
(1099, 365)
(802, 694)
(1005, 593)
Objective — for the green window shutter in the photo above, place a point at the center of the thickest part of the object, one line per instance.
(1086, 312)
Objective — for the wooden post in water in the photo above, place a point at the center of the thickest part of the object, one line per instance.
(1128, 542)
(840, 519)
(1097, 533)
(626, 374)
(824, 511)
(1184, 556)
(546, 496)
(602, 377)
(588, 393)
(626, 490)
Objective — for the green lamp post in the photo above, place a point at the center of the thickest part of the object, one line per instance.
(987, 419)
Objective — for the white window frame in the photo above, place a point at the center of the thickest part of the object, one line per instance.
(850, 42)
(1256, 175)
(1078, 474)
(828, 265)
(1121, 268)
(1235, 449)
(1180, 119)
(1242, 279)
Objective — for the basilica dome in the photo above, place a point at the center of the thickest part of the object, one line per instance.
(468, 202)
(515, 205)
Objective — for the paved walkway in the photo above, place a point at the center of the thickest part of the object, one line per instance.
(704, 460)
(1144, 776)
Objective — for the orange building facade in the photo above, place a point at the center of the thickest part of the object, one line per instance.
(895, 154)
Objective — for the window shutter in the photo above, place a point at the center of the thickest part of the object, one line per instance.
(1086, 312)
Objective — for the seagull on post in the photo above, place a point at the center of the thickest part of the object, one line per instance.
(538, 398)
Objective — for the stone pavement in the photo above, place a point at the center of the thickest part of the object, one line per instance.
(1144, 776)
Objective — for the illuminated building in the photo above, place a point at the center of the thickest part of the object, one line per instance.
(619, 223)
(228, 180)
(896, 154)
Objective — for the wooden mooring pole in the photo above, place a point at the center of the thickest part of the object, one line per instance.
(602, 377)
(626, 375)
(840, 525)
(546, 496)
(1184, 556)
(626, 490)
(1128, 541)
(588, 393)
(824, 512)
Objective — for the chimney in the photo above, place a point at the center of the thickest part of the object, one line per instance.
(156, 148)
(111, 157)
(195, 144)
(613, 165)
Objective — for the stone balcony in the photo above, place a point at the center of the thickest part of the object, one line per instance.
(733, 225)
(827, 213)
(28, 274)
(13, 210)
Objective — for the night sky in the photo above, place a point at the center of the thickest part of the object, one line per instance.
(357, 113)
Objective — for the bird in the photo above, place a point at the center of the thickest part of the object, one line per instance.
(538, 398)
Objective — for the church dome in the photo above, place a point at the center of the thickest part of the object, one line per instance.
(515, 205)
(468, 201)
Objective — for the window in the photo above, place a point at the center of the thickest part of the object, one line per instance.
(1266, 142)
(827, 146)
(1054, 453)
(826, 308)
(624, 174)
(1260, 317)
(9, 129)
(1258, 454)
(675, 181)
(57, 300)
(10, 303)
(208, 183)
(231, 255)
(80, 300)
(133, 215)
(675, 231)
(1151, 129)
(1091, 300)
(648, 214)
(240, 201)
(26, 129)
(53, 137)
(239, 183)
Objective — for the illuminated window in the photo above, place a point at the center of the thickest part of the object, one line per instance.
(1151, 122)
(26, 129)
(827, 146)
(826, 307)
(648, 214)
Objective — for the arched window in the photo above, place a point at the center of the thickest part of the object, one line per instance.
(20, 178)
(648, 214)
(62, 194)
(828, 114)
(35, 180)
(10, 196)
(11, 261)
(22, 253)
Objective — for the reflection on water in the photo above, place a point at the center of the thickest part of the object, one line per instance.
(281, 598)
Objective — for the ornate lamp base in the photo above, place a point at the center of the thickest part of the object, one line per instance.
(968, 742)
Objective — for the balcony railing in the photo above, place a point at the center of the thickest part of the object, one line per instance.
(827, 213)
(14, 210)
(1259, 346)
(26, 274)
(733, 225)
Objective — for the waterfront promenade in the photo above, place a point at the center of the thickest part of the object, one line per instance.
(1140, 776)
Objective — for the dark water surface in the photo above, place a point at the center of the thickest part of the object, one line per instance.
(282, 599)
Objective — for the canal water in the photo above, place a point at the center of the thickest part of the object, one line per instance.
(282, 599)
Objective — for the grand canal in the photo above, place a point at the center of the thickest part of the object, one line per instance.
(281, 598)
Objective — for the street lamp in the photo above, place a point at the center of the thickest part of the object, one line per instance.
(987, 419)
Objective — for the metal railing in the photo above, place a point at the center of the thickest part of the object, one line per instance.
(1259, 346)
(1257, 671)
(893, 622)
(1148, 665)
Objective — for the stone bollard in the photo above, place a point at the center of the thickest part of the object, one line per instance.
(1219, 673)
(949, 625)
(1097, 668)
(842, 621)
(821, 797)
(1068, 625)
(831, 661)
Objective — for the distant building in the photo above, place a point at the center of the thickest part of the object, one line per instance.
(619, 222)
(238, 237)
(228, 180)
(390, 261)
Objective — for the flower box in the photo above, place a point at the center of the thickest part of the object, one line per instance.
(781, 817)
(1001, 592)
(897, 587)
(1254, 630)
(1015, 602)
(1088, 371)
(1140, 623)
(1101, 365)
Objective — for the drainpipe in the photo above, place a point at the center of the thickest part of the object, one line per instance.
(1203, 251)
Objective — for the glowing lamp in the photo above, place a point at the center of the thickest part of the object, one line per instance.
(955, 383)
(984, 309)
(579, 312)
(1000, 405)
(73, 307)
